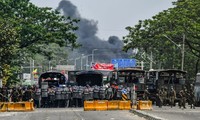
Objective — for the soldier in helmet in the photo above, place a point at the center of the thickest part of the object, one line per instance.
(146, 94)
(14, 95)
(114, 88)
(4, 94)
(182, 95)
(172, 96)
(28, 94)
(191, 97)
(160, 97)
(37, 97)
(86, 95)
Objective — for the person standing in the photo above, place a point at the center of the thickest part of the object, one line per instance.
(172, 96)
(182, 101)
(160, 97)
(146, 94)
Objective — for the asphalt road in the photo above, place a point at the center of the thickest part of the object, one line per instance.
(175, 113)
(69, 114)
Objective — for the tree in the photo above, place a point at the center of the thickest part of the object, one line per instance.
(149, 35)
(32, 29)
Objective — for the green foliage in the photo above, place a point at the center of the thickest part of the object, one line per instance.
(157, 35)
(26, 30)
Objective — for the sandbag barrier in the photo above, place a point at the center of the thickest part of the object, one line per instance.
(16, 106)
(99, 105)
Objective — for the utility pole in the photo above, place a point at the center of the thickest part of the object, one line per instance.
(183, 53)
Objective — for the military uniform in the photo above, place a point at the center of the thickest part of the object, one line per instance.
(182, 99)
(191, 97)
(109, 93)
(14, 95)
(37, 97)
(146, 94)
(164, 96)
(172, 96)
(160, 97)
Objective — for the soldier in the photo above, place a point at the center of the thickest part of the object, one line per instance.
(37, 97)
(114, 88)
(58, 97)
(91, 89)
(51, 97)
(109, 93)
(102, 93)
(28, 94)
(14, 95)
(75, 96)
(172, 96)
(20, 93)
(80, 96)
(119, 92)
(69, 93)
(96, 92)
(4, 94)
(182, 101)
(164, 91)
(146, 94)
(160, 97)
(86, 94)
(191, 97)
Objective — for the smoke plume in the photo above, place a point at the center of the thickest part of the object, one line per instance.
(106, 49)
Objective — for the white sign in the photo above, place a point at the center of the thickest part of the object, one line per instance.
(26, 76)
(65, 67)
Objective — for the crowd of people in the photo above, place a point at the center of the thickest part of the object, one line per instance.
(74, 96)
(62, 96)
(170, 97)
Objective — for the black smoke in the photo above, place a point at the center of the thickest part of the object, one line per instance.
(107, 49)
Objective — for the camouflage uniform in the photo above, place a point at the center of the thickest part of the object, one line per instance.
(191, 97)
(160, 97)
(182, 94)
(172, 96)
(164, 91)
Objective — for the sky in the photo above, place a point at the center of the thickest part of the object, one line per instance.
(113, 16)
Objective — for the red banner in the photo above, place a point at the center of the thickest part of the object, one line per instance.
(103, 66)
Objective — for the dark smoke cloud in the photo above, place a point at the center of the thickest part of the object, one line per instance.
(107, 50)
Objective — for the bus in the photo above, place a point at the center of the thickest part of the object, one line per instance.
(129, 77)
(165, 78)
(53, 78)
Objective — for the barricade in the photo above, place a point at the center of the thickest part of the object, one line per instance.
(125, 105)
(16, 106)
(89, 105)
(113, 105)
(3, 107)
(144, 105)
(101, 105)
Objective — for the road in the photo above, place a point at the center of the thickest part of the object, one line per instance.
(69, 114)
(168, 113)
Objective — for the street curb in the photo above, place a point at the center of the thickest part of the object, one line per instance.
(145, 115)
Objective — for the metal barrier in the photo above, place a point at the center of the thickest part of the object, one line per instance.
(144, 105)
(16, 106)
